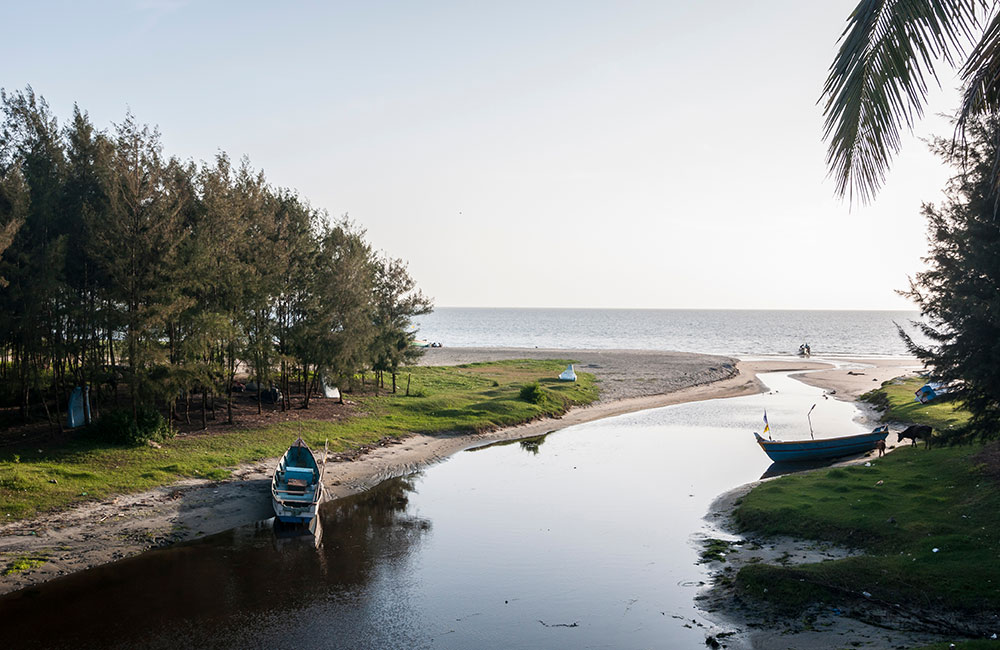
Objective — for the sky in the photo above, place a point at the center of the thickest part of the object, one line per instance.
(660, 154)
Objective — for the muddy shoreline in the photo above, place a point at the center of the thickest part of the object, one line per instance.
(856, 623)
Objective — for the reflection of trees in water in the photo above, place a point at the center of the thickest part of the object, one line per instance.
(202, 590)
(369, 527)
(528, 444)
(532, 444)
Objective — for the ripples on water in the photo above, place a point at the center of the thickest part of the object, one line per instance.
(583, 538)
(730, 332)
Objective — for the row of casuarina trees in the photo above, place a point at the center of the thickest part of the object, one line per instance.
(155, 280)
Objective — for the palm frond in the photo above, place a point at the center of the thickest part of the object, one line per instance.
(981, 75)
(878, 82)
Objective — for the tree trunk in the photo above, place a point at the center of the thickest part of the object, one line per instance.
(229, 384)
(25, 389)
(114, 369)
(305, 387)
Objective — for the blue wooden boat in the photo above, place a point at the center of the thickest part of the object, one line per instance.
(297, 485)
(826, 448)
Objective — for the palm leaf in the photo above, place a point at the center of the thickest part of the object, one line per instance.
(981, 74)
(878, 82)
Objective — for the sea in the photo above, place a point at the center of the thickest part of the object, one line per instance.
(742, 333)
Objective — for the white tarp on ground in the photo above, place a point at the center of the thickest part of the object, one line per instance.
(568, 374)
(332, 393)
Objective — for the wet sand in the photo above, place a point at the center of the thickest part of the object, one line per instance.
(104, 531)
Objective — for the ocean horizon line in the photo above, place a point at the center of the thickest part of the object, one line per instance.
(913, 310)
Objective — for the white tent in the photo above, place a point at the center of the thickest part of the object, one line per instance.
(568, 374)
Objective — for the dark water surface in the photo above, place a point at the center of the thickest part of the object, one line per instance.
(586, 538)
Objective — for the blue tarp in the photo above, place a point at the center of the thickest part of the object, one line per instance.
(929, 391)
(76, 416)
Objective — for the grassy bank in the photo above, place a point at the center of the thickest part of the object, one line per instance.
(896, 399)
(470, 398)
(928, 522)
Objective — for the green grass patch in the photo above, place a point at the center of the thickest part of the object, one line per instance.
(896, 399)
(25, 563)
(898, 510)
(472, 398)
(928, 522)
(714, 550)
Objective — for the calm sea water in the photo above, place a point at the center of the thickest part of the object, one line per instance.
(728, 332)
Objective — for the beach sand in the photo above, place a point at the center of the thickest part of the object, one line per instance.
(104, 531)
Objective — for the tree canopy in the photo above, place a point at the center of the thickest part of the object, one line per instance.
(959, 293)
(151, 278)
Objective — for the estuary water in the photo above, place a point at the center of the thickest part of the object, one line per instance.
(711, 331)
(585, 538)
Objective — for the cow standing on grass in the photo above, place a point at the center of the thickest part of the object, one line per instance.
(915, 432)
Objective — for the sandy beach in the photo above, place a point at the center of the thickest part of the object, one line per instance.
(630, 380)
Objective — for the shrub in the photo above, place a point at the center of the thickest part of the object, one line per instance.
(118, 427)
(533, 393)
(545, 398)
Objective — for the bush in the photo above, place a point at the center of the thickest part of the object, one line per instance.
(118, 427)
(545, 398)
(533, 393)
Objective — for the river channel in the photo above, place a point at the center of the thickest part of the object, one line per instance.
(585, 538)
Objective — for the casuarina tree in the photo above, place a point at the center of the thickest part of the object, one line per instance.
(959, 292)
(396, 301)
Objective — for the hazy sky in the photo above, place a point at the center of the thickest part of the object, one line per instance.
(566, 154)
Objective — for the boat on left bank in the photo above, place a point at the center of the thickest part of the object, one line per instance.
(297, 485)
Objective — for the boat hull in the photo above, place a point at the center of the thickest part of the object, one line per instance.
(297, 486)
(811, 450)
(289, 514)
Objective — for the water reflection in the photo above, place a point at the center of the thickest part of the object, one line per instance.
(201, 590)
(286, 534)
(530, 445)
(780, 469)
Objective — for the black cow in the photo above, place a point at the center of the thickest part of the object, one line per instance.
(916, 432)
